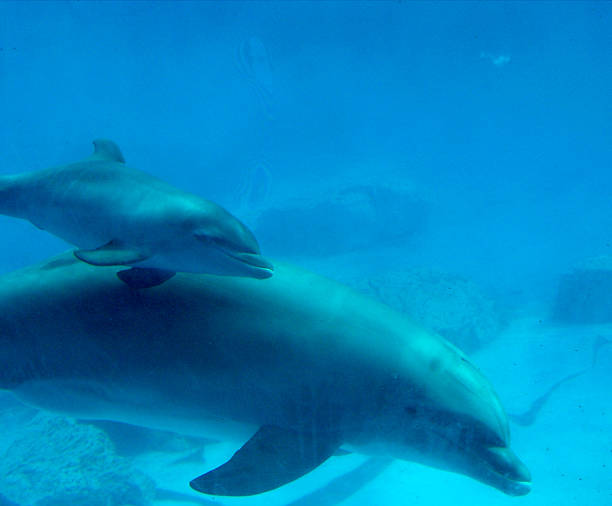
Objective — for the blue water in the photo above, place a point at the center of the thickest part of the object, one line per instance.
(360, 138)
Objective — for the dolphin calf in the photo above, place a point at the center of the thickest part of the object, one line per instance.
(117, 215)
(292, 368)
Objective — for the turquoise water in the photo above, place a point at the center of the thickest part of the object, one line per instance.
(450, 159)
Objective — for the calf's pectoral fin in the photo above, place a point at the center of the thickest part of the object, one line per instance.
(271, 458)
(141, 277)
(112, 253)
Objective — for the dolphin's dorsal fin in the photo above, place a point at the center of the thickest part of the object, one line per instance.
(105, 149)
(271, 458)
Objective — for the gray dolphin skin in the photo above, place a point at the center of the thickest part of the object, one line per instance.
(117, 215)
(292, 368)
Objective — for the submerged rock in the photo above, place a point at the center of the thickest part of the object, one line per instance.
(454, 307)
(585, 295)
(55, 461)
(340, 221)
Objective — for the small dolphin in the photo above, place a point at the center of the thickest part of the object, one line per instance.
(117, 215)
(291, 368)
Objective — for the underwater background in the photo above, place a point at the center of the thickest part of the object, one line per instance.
(452, 159)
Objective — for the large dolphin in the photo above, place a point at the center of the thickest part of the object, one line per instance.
(117, 215)
(292, 368)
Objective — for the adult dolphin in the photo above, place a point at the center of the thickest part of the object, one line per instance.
(117, 215)
(295, 365)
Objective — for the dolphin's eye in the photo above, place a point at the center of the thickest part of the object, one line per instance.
(478, 432)
(216, 238)
(411, 410)
(487, 436)
(243, 246)
(460, 425)
(219, 242)
(224, 243)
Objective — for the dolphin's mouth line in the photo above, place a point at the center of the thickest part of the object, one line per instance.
(252, 260)
(515, 486)
(521, 486)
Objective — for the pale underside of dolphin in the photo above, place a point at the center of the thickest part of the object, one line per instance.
(292, 368)
(117, 215)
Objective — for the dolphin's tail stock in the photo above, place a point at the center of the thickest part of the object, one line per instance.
(4, 192)
(9, 201)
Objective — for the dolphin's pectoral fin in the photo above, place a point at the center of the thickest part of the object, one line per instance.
(140, 277)
(112, 253)
(271, 458)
